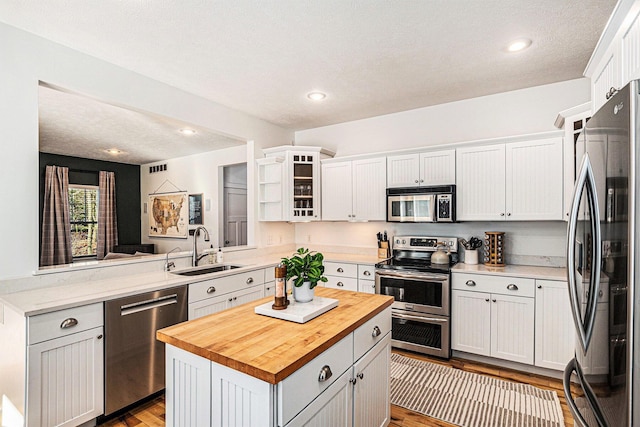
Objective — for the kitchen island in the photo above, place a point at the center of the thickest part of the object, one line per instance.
(237, 367)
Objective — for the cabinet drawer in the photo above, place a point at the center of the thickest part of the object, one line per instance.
(269, 274)
(214, 287)
(493, 284)
(344, 283)
(366, 271)
(340, 269)
(60, 323)
(369, 334)
(300, 388)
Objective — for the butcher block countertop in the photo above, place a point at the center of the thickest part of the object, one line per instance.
(272, 349)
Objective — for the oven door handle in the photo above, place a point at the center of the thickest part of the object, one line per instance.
(419, 318)
(434, 277)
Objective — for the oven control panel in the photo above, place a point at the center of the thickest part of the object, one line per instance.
(423, 243)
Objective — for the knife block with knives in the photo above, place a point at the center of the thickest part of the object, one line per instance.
(383, 246)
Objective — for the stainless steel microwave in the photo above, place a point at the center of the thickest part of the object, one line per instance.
(421, 204)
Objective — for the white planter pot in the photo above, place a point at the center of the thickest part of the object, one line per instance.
(303, 293)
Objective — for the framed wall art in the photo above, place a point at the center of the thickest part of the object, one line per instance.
(195, 209)
(168, 215)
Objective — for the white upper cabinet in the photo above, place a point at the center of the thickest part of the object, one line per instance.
(480, 180)
(616, 60)
(534, 180)
(515, 181)
(289, 183)
(422, 169)
(354, 190)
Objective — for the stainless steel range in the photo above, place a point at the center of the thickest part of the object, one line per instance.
(421, 311)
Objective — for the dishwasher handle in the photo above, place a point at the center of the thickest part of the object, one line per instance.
(149, 304)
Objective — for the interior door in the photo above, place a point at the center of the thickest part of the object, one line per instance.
(235, 216)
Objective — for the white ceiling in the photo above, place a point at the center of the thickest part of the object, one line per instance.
(371, 57)
(75, 125)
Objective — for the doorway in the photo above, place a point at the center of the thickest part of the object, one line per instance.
(234, 205)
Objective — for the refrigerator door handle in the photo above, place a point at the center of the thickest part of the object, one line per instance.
(585, 180)
(574, 366)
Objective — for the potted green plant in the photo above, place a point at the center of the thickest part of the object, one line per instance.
(306, 269)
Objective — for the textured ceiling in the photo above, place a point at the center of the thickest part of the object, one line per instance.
(75, 125)
(371, 57)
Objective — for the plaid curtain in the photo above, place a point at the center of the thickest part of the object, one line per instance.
(56, 228)
(107, 221)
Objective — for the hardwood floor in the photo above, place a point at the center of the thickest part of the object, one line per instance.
(152, 413)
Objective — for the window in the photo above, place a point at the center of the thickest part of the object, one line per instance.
(83, 214)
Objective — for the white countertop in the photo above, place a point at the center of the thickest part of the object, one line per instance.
(46, 299)
(528, 271)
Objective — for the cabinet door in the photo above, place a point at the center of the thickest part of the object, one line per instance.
(480, 180)
(269, 289)
(512, 328)
(367, 286)
(597, 360)
(209, 306)
(403, 170)
(247, 295)
(371, 388)
(65, 380)
(369, 189)
(608, 75)
(438, 168)
(471, 322)
(554, 330)
(332, 408)
(533, 180)
(337, 191)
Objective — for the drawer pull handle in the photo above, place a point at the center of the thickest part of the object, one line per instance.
(325, 374)
(360, 375)
(353, 381)
(539, 286)
(493, 300)
(68, 323)
(512, 287)
(486, 299)
(340, 270)
(211, 289)
(249, 280)
(367, 273)
(376, 332)
(99, 337)
(340, 284)
(470, 283)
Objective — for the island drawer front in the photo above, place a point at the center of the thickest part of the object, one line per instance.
(503, 285)
(223, 285)
(304, 385)
(366, 271)
(44, 327)
(340, 269)
(369, 334)
(342, 283)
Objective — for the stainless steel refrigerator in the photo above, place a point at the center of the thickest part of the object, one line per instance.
(601, 263)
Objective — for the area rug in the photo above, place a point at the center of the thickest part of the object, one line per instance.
(468, 399)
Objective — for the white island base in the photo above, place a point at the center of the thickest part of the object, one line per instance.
(346, 385)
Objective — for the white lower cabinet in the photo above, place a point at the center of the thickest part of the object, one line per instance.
(495, 319)
(65, 374)
(214, 295)
(350, 277)
(555, 333)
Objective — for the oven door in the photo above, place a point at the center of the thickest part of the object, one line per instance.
(411, 208)
(421, 333)
(420, 292)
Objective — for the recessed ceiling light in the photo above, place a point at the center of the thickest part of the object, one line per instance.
(518, 45)
(316, 96)
(113, 151)
(187, 131)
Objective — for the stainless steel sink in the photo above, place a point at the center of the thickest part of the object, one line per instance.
(206, 270)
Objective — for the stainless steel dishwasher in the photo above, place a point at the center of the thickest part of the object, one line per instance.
(134, 359)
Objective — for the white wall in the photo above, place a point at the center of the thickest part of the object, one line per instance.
(506, 114)
(524, 111)
(26, 59)
(194, 174)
